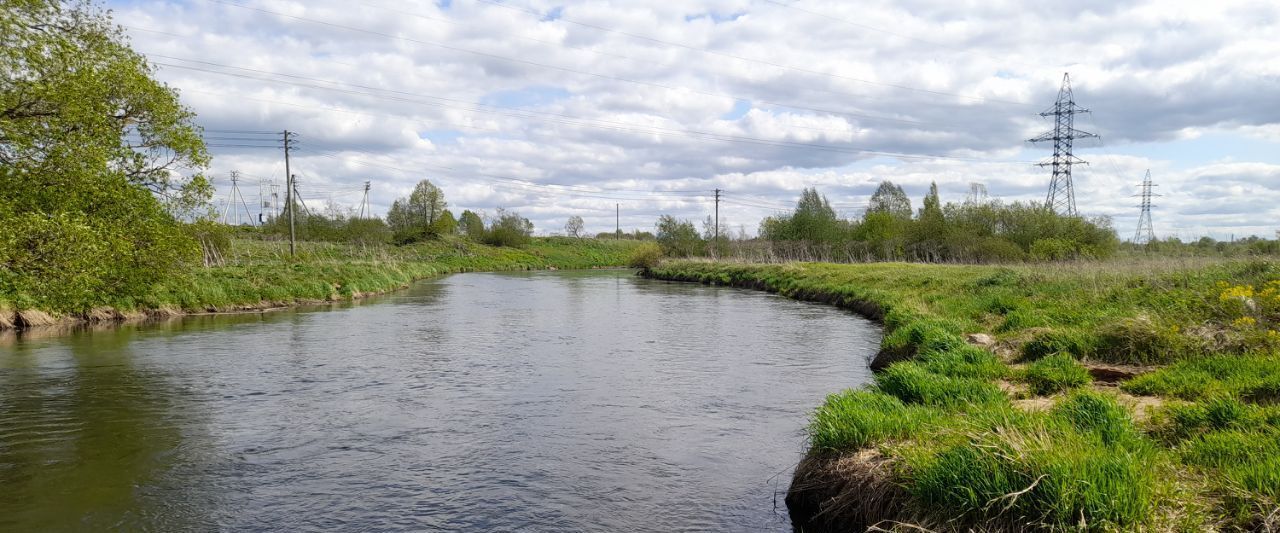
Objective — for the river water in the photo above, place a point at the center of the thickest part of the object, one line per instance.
(562, 401)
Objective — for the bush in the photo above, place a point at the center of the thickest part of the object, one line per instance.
(508, 229)
(645, 256)
(1055, 373)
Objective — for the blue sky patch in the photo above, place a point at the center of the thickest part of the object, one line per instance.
(740, 109)
(718, 18)
(440, 136)
(533, 96)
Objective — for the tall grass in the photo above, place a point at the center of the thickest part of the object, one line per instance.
(971, 458)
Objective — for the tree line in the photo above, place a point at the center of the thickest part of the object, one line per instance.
(423, 214)
(891, 230)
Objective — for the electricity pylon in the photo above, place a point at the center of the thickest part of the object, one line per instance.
(1062, 196)
(1145, 233)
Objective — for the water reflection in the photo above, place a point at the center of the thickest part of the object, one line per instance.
(540, 401)
(87, 435)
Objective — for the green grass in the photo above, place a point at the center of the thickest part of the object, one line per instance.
(257, 272)
(1055, 373)
(969, 457)
(1254, 377)
(854, 419)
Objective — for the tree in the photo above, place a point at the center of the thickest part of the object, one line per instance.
(89, 144)
(444, 224)
(508, 229)
(573, 227)
(678, 238)
(471, 225)
(417, 216)
(427, 201)
(891, 199)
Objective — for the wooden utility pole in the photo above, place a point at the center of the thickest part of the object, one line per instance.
(716, 238)
(617, 221)
(288, 193)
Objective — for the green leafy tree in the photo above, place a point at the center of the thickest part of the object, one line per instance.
(891, 199)
(471, 225)
(89, 144)
(445, 224)
(508, 229)
(678, 238)
(415, 217)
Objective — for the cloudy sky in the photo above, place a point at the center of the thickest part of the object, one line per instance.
(556, 108)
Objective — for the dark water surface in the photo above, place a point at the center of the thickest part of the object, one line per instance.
(479, 402)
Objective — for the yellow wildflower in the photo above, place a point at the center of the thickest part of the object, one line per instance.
(1238, 292)
(1244, 322)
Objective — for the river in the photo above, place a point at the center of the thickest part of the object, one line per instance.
(553, 401)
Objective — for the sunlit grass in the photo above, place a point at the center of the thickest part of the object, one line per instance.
(970, 457)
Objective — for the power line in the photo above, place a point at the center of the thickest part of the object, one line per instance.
(579, 121)
(523, 185)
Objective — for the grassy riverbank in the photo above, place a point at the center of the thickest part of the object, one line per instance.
(1110, 396)
(261, 274)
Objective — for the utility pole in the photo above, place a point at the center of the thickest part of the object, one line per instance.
(716, 238)
(231, 201)
(1062, 196)
(364, 204)
(1144, 233)
(617, 221)
(262, 206)
(288, 193)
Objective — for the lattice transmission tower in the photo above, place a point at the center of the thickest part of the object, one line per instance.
(1062, 195)
(1145, 233)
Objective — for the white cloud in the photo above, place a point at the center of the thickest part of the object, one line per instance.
(830, 85)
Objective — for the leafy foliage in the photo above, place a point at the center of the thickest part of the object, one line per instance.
(678, 238)
(88, 144)
(968, 232)
(420, 215)
(508, 228)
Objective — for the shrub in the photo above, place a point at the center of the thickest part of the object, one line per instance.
(1052, 249)
(645, 256)
(508, 229)
(1055, 373)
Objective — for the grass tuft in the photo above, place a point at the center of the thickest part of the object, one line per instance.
(855, 419)
(1055, 373)
(913, 383)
